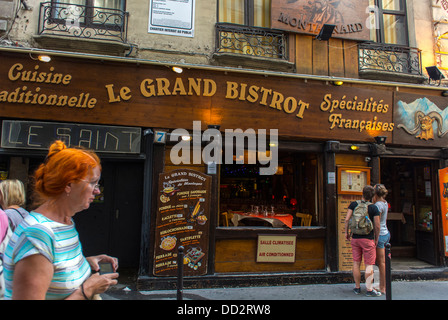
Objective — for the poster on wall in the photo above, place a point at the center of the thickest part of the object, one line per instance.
(443, 187)
(183, 219)
(172, 17)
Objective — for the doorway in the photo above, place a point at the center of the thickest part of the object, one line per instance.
(413, 211)
(112, 224)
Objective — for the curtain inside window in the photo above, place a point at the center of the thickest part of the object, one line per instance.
(231, 11)
(395, 5)
(394, 29)
(262, 13)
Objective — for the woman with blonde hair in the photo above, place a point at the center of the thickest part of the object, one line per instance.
(12, 199)
(380, 201)
(44, 258)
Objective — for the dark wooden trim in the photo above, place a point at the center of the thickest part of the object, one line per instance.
(226, 233)
(331, 208)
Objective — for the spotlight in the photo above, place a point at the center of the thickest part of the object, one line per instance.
(338, 83)
(177, 69)
(380, 139)
(435, 74)
(354, 147)
(44, 58)
(326, 32)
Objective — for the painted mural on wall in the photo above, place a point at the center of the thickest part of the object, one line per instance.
(303, 16)
(424, 118)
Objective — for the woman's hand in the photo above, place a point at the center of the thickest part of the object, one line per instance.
(97, 283)
(95, 260)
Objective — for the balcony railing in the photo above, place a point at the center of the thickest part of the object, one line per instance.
(390, 58)
(79, 21)
(252, 41)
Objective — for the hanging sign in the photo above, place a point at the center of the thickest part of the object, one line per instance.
(183, 219)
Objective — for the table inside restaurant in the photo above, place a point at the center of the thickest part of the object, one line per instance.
(277, 220)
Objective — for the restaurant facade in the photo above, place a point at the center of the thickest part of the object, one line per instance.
(250, 170)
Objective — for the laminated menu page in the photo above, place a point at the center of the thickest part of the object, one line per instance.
(183, 219)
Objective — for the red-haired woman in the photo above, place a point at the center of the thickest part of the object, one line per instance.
(44, 257)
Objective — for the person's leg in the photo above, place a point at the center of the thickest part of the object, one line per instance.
(357, 273)
(369, 277)
(369, 260)
(381, 263)
(356, 269)
(381, 260)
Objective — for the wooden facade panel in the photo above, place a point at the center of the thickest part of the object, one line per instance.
(351, 59)
(320, 58)
(336, 57)
(304, 54)
(240, 256)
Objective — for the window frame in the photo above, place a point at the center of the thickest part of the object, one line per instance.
(379, 15)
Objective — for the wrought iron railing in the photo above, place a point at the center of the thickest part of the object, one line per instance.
(82, 21)
(253, 41)
(391, 58)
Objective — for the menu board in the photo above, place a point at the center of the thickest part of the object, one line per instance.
(344, 246)
(352, 180)
(183, 216)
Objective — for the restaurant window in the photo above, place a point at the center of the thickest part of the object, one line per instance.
(244, 28)
(253, 200)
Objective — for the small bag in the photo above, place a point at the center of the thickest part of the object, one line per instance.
(360, 222)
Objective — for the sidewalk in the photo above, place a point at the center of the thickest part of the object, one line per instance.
(401, 290)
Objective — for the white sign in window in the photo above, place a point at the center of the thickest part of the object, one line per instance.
(171, 17)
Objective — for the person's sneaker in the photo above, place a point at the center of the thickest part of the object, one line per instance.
(357, 290)
(373, 293)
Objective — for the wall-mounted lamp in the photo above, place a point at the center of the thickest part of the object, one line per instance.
(338, 83)
(326, 32)
(444, 93)
(380, 139)
(434, 74)
(354, 147)
(44, 58)
(41, 57)
(177, 69)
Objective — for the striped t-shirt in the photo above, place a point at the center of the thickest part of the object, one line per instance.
(59, 243)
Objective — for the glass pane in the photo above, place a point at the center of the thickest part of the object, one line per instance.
(372, 21)
(395, 29)
(231, 11)
(262, 13)
(111, 4)
(72, 11)
(396, 5)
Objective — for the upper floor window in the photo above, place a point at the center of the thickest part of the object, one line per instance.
(389, 20)
(256, 13)
(93, 19)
